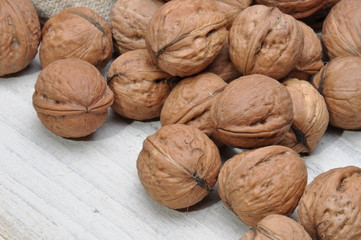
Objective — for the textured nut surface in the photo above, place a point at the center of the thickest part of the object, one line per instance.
(190, 102)
(340, 84)
(231, 8)
(252, 111)
(71, 98)
(310, 119)
(330, 207)
(184, 36)
(341, 32)
(277, 227)
(178, 165)
(264, 181)
(129, 19)
(140, 88)
(76, 33)
(264, 40)
(20, 34)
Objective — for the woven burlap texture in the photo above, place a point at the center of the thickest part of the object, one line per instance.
(47, 8)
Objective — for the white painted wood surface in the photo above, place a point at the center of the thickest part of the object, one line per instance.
(57, 189)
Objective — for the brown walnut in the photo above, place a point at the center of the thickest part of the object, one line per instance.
(266, 41)
(129, 20)
(140, 88)
(261, 182)
(178, 165)
(340, 84)
(20, 34)
(252, 111)
(184, 36)
(71, 98)
(191, 100)
(330, 207)
(231, 8)
(76, 33)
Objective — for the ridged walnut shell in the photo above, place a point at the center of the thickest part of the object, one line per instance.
(340, 84)
(266, 41)
(261, 182)
(76, 33)
(252, 111)
(191, 100)
(71, 98)
(231, 8)
(310, 119)
(140, 88)
(178, 166)
(20, 35)
(185, 36)
(330, 207)
(129, 20)
(277, 227)
(341, 32)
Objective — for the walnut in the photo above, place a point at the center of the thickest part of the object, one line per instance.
(129, 20)
(252, 111)
(340, 84)
(184, 36)
(264, 40)
(277, 227)
(231, 8)
(76, 33)
(310, 116)
(261, 182)
(190, 102)
(178, 165)
(140, 88)
(20, 34)
(341, 33)
(296, 8)
(71, 98)
(330, 207)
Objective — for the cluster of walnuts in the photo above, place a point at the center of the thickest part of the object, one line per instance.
(216, 72)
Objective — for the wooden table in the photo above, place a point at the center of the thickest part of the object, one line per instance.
(58, 189)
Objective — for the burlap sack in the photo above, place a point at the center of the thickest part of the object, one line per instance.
(47, 8)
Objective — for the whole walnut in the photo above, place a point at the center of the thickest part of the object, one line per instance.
(140, 88)
(277, 227)
(310, 119)
(252, 111)
(330, 207)
(264, 40)
(231, 8)
(178, 165)
(71, 98)
(76, 33)
(20, 35)
(296, 8)
(261, 182)
(191, 100)
(340, 84)
(341, 32)
(185, 36)
(129, 20)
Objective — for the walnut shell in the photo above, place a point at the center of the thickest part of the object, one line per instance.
(341, 32)
(340, 84)
(264, 40)
(76, 33)
(140, 88)
(129, 20)
(330, 207)
(277, 227)
(310, 119)
(264, 181)
(184, 36)
(71, 98)
(231, 8)
(20, 35)
(252, 111)
(191, 100)
(178, 165)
